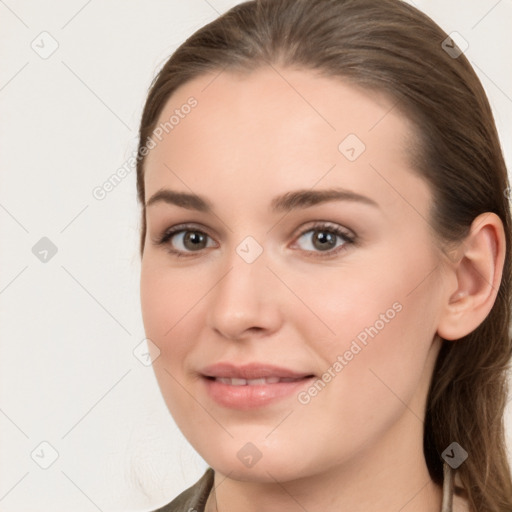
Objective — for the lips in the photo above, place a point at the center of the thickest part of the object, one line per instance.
(252, 372)
(252, 382)
(253, 385)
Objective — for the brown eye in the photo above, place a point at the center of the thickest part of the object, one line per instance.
(188, 240)
(325, 239)
(184, 241)
(194, 240)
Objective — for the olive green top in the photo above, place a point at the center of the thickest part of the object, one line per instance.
(194, 498)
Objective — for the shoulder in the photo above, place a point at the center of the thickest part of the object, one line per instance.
(194, 498)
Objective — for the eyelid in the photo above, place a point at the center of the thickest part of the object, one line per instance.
(326, 225)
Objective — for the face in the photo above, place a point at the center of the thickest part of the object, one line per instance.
(306, 261)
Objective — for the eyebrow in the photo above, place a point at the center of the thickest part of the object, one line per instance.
(287, 202)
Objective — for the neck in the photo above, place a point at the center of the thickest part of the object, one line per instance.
(418, 495)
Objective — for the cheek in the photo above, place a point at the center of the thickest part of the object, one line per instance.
(165, 302)
(157, 302)
(174, 305)
(384, 328)
(167, 296)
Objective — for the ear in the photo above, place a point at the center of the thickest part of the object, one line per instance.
(477, 273)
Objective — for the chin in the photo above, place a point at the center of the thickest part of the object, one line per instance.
(271, 467)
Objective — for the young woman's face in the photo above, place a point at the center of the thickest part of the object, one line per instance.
(307, 256)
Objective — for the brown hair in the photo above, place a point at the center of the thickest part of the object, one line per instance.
(389, 46)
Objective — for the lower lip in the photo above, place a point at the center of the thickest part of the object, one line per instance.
(251, 397)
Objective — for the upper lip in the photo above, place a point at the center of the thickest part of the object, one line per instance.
(251, 371)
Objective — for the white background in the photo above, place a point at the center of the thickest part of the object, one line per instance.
(68, 375)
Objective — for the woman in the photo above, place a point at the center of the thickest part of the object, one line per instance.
(326, 262)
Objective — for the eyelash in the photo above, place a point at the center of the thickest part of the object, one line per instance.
(349, 238)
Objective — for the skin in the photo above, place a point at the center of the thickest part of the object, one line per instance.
(357, 445)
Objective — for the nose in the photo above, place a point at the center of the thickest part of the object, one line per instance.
(245, 302)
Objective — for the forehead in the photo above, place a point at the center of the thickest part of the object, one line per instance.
(280, 129)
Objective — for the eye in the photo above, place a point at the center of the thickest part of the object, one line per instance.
(185, 239)
(326, 238)
(323, 239)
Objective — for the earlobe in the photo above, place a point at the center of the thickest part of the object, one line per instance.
(478, 273)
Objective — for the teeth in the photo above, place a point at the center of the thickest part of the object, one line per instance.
(253, 382)
(256, 382)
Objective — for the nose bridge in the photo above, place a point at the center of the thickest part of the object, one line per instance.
(244, 298)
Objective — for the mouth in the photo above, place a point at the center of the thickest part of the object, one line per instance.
(252, 372)
(252, 385)
(263, 381)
